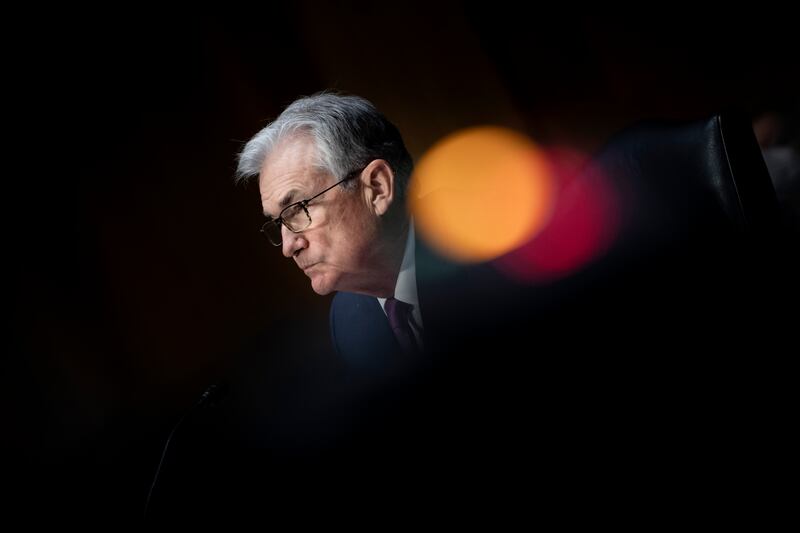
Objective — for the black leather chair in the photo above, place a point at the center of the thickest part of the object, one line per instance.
(705, 178)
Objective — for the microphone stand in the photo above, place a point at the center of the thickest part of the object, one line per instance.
(210, 395)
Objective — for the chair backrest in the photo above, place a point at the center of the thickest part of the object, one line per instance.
(692, 182)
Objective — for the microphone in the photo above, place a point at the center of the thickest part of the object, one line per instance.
(211, 396)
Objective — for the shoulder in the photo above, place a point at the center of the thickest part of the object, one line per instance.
(352, 312)
(351, 302)
(360, 331)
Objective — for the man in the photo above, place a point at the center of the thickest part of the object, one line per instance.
(332, 173)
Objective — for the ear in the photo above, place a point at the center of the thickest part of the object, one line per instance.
(378, 185)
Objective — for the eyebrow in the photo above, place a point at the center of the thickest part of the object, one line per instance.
(287, 199)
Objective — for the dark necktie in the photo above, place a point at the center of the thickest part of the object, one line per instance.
(399, 314)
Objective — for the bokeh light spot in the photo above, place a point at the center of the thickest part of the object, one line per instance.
(584, 223)
(480, 193)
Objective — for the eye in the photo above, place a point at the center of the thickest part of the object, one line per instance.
(293, 211)
(295, 217)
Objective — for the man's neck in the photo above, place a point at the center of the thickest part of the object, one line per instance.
(395, 249)
(387, 260)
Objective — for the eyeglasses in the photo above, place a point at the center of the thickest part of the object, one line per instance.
(295, 216)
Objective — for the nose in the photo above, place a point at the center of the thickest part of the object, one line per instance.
(292, 242)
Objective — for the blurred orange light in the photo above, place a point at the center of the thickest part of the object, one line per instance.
(480, 193)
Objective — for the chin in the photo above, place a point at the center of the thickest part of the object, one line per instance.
(321, 291)
(321, 285)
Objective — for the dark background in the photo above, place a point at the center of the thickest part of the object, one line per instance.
(136, 269)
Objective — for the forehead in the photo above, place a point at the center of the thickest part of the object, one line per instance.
(288, 174)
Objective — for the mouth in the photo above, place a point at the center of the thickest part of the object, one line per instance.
(307, 267)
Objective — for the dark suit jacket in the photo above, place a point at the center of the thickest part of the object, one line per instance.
(361, 334)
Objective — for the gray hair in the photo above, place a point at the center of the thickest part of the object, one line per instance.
(348, 132)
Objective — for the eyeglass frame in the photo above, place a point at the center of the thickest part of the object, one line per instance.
(304, 204)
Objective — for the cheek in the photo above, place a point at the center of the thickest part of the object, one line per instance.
(342, 247)
(343, 232)
(348, 235)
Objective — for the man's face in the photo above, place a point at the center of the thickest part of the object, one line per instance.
(335, 251)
